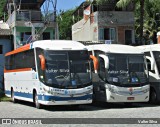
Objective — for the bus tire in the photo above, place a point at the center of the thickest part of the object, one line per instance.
(37, 104)
(153, 96)
(12, 96)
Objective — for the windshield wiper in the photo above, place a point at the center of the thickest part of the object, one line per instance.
(62, 77)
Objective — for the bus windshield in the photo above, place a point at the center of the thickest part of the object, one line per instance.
(67, 69)
(127, 70)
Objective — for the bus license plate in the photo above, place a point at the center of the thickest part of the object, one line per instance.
(130, 98)
(71, 100)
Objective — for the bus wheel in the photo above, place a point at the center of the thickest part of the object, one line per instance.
(12, 96)
(37, 104)
(153, 96)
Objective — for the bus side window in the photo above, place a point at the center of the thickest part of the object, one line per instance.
(101, 69)
(149, 64)
(39, 52)
(147, 54)
(8, 63)
(92, 66)
(41, 73)
(31, 59)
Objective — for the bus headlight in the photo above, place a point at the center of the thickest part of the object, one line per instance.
(146, 90)
(112, 89)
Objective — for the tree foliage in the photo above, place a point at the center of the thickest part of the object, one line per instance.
(65, 23)
(151, 19)
(2, 3)
(152, 14)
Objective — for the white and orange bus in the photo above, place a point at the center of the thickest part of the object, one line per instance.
(49, 72)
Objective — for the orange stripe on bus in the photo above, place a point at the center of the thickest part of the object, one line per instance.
(17, 70)
(21, 49)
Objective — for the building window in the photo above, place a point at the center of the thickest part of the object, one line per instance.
(107, 34)
(1, 49)
(46, 36)
(128, 37)
(101, 68)
(26, 37)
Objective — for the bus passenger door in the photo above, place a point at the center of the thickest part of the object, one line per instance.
(100, 88)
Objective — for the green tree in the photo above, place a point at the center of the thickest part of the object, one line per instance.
(152, 18)
(65, 23)
(2, 3)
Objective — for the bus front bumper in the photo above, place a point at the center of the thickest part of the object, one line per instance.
(54, 100)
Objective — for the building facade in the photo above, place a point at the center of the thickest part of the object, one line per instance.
(5, 46)
(28, 23)
(104, 23)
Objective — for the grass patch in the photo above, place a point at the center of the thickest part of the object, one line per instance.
(4, 98)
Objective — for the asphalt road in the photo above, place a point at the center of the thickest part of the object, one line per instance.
(91, 114)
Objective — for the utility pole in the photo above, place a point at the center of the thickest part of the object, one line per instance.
(55, 10)
(55, 18)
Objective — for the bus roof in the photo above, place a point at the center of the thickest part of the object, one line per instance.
(115, 48)
(50, 45)
(154, 47)
(59, 45)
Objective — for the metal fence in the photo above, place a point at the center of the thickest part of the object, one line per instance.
(30, 16)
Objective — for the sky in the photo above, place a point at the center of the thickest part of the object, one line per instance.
(66, 4)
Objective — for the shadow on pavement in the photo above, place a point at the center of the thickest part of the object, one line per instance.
(91, 107)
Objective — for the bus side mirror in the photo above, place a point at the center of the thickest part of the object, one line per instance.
(107, 63)
(42, 62)
(106, 60)
(95, 63)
